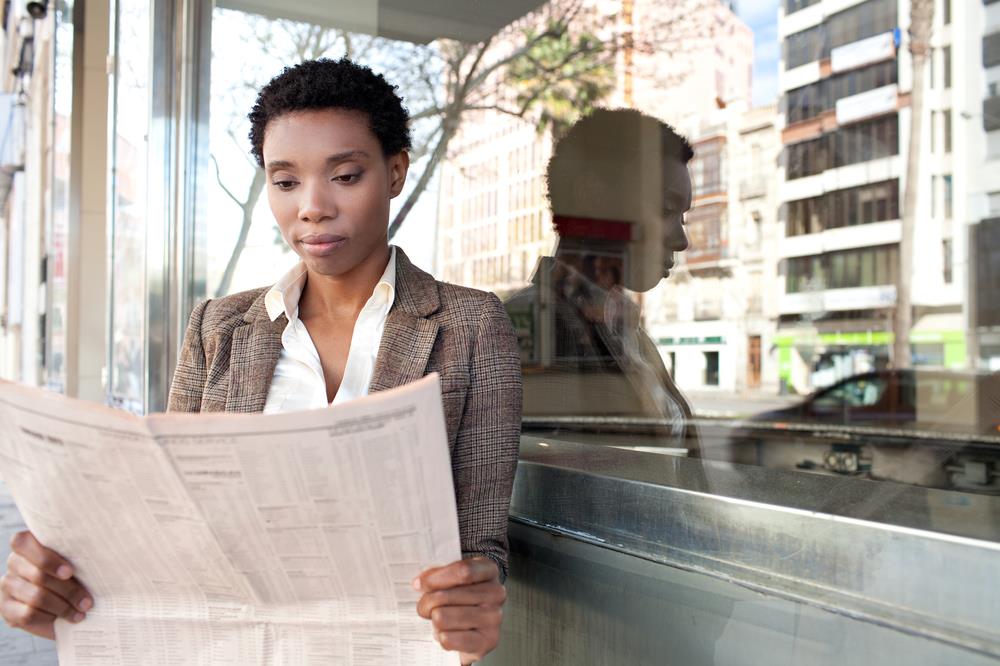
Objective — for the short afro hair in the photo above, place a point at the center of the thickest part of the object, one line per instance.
(332, 84)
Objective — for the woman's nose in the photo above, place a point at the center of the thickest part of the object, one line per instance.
(675, 239)
(316, 204)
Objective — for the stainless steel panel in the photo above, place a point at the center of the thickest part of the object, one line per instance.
(907, 558)
(575, 603)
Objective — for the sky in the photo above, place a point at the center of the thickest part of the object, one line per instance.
(762, 17)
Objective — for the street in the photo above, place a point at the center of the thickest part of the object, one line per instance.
(736, 405)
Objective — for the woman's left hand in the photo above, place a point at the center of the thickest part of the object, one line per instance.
(464, 601)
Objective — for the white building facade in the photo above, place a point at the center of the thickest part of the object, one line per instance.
(845, 116)
(714, 319)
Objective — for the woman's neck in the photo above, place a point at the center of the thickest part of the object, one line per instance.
(339, 296)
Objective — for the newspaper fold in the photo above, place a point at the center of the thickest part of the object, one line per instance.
(240, 539)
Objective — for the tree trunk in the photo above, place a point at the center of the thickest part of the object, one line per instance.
(251, 201)
(448, 128)
(921, 17)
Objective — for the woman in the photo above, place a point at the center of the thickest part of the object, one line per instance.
(353, 316)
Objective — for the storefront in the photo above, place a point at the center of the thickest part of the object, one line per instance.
(704, 359)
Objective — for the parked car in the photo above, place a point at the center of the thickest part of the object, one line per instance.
(930, 427)
(968, 401)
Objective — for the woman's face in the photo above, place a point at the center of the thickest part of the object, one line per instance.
(329, 186)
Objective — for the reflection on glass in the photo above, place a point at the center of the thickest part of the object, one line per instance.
(619, 188)
(772, 341)
(131, 126)
(62, 104)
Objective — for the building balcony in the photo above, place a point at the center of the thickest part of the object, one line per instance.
(707, 310)
(755, 186)
(709, 262)
(832, 300)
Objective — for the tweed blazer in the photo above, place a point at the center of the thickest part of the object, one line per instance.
(231, 349)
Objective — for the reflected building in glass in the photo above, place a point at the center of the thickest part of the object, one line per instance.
(846, 92)
(494, 221)
(984, 237)
(714, 322)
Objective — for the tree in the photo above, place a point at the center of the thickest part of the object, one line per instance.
(921, 20)
(550, 67)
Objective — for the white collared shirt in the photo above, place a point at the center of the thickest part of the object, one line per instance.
(298, 381)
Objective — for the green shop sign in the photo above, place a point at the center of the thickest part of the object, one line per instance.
(708, 340)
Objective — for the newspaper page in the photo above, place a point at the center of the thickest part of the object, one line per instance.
(222, 539)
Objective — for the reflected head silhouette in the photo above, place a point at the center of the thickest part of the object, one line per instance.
(619, 186)
(619, 177)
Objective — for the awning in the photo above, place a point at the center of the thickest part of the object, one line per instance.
(945, 327)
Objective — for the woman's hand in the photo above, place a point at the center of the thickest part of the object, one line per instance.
(464, 601)
(39, 587)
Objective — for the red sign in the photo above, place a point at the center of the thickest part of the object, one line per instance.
(585, 227)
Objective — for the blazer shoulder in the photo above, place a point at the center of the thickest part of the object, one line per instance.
(230, 311)
(457, 295)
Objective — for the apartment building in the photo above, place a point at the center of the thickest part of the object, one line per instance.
(714, 320)
(984, 238)
(845, 81)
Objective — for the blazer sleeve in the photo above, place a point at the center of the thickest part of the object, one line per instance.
(484, 458)
(188, 383)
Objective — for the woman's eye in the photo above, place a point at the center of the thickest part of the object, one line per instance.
(284, 185)
(348, 178)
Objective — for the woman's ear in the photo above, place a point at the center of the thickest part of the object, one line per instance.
(399, 165)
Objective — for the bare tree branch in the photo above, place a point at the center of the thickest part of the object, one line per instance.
(222, 185)
(253, 193)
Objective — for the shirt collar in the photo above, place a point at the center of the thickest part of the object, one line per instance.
(284, 296)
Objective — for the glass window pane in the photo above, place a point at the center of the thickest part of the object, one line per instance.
(58, 234)
(654, 307)
(127, 379)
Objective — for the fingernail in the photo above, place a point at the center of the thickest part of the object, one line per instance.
(415, 583)
(86, 604)
(78, 617)
(64, 572)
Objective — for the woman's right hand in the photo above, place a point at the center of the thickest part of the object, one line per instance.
(39, 587)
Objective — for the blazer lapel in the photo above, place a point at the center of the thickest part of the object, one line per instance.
(409, 336)
(253, 356)
(402, 356)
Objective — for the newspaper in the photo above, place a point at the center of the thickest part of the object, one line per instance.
(240, 539)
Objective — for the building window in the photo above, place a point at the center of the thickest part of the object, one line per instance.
(946, 12)
(706, 169)
(991, 49)
(816, 98)
(705, 228)
(855, 143)
(865, 267)
(946, 63)
(795, 5)
(947, 195)
(948, 265)
(877, 202)
(947, 130)
(711, 368)
(851, 25)
(859, 22)
(803, 47)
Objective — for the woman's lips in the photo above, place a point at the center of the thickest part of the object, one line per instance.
(320, 245)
